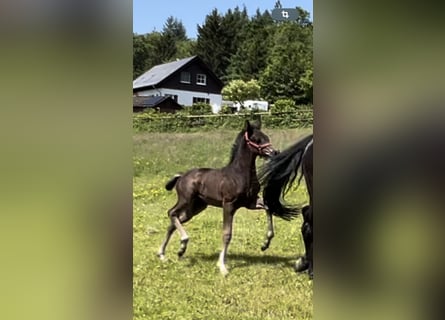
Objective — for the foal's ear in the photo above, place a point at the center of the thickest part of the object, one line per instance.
(248, 127)
(258, 122)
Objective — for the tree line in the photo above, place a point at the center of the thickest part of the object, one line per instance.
(237, 47)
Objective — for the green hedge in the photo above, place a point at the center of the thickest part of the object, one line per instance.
(179, 122)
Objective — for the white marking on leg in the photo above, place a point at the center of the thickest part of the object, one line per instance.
(221, 263)
(180, 228)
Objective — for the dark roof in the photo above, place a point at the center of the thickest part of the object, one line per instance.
(160, 72)
(149, 102)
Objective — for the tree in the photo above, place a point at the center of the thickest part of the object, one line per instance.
(234, 24)
(289, 70)
(166, 49)
(284, 105)
(155, 55)
(236, 47)
(185, 48)
(219, 37)
(140, 55)
(175, 28)
(160, 47)
(209, 46)
(238, 91)
(250, 59)
(306, 84)
(167, 45)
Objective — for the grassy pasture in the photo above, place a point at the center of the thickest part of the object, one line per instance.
(260, 285)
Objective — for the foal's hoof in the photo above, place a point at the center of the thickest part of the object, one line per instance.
(161, 256)
(183, 247)
(224, 271)
(181, 253)
(301, 264)
(264, 247)
(260, 204)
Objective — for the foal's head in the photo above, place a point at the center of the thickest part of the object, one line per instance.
(257, 141)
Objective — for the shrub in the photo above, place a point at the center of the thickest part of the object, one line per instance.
(227, 110)
(199, 109)
(182, 122)
(283, 105)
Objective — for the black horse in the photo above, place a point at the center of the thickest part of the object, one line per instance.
(231, 187)
(277, 176)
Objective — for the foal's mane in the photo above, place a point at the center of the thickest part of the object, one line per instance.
(239, 139)
(236, 144)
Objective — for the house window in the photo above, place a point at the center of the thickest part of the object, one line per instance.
(198, 99)
(185, 77)
(201, 79)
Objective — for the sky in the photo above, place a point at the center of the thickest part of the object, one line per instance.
(150, 15)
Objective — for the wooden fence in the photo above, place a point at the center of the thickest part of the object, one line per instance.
(152, 122)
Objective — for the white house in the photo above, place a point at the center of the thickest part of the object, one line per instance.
(187, 81)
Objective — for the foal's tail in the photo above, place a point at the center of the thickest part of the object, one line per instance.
(278, 175)
(172, 182)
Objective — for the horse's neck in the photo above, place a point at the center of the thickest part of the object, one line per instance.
(244, 162)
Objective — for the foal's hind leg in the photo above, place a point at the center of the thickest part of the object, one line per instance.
(170, 230)
(179, 215)
(197, 207)
(175, 223)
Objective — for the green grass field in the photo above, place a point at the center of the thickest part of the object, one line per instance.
(260, 285)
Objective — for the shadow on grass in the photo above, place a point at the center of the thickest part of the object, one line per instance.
(245, 260)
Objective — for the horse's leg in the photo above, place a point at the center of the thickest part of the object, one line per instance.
(270, 231)
(197, 207)
(305, 262)
(170, 230)
(310, 259)
(228, 212)
(308, 242)
(161, 252)
(172, 213)
(259, 204)
(183, 234)
(178, 215)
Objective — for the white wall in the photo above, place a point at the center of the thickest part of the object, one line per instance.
(185, 98)
(253, 104)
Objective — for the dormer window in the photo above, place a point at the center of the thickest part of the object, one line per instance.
(201, 79)
(185, 77)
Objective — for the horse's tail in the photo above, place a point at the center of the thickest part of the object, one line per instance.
(172, 182)
(277, 176)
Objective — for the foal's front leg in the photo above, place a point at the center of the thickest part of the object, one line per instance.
(259, 204)
(270, 231)
(228, 212)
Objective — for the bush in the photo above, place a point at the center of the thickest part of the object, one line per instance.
(182, 122)
(199, 109)
(227, 110)
(283, 105)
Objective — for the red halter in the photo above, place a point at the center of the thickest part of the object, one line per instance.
(259, 147)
